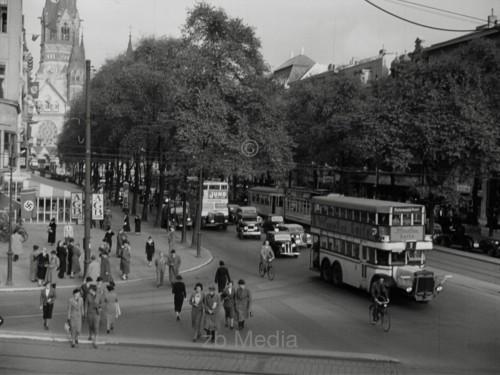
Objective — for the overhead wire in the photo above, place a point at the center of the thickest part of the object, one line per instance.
(417, 23)
(438, 9)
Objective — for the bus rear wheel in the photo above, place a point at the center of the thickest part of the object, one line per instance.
(337, 274)
(326, 271)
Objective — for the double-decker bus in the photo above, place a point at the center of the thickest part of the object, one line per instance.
(298, 204)
(357, 241)
(214, 211)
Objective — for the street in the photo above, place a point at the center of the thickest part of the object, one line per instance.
(455, 333)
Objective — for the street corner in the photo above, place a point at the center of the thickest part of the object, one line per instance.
(191, 261)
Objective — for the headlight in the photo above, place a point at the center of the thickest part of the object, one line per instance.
(408, 290)
(225, 221)
(439, 288)
(212, 220)
(188, 219)
(245, 228)
(496, 242)
(282, 245)
(293, 245)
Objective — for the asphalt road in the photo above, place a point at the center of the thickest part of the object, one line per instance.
(456, 333)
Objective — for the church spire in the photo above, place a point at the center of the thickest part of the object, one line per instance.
(82, 49)
(129, 47)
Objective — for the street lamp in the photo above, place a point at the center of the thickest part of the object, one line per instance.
(12, 162)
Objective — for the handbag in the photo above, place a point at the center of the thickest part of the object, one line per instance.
(67, 327)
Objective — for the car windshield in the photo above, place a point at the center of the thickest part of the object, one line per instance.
(294, 230)
(282, 237)
(249, 217)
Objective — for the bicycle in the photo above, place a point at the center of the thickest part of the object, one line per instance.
(383, 315)
(269, 269)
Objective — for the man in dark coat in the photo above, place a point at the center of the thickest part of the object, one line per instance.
(222, 277)
(108, 238)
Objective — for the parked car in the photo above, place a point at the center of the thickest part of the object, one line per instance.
(178, 218)
(468, 237)
(282, 245)
(298, 234)
(247, 223)
(271, 223)
(214, 219)
(233, 210)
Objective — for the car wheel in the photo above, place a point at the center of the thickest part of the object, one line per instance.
(337, 274)
(326, 271)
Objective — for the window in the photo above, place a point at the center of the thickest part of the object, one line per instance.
(371, 255)
(65, 32)
(355, 250)
(53, 34)
(55, 107)
(383, 219)
(371, 217)
(406, 219)
(383, 257)
(342, 213)
(2, 81)
(396, 220)
(398, 258)
(3, 16)
(330, 243)
(324, 242)
(349, 214)
(417, 219)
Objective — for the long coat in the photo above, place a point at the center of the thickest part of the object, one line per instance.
(222, 278)
(43, 262)
(17, 244)
(173, 263)
(62, 254)
(108, 237)
(110, 301)
(197, 312)
(105, 269)
(212, 308)
(228, 298)
(34, 264)
(52, 232)
(47, 302)
(150, 250)
(179, 291)
(242, 304)
(120, 237)
(75, 261)
(126, 224)
(75, 315)
(125, 260)
(51, 274)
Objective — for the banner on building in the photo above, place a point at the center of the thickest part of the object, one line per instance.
(97, 206)
(28, 203)
(76, 206)
(34, 90)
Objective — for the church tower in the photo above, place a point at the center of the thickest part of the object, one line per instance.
(61, 74)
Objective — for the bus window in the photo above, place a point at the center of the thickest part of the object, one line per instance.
(415, 256)
(371, 217)
(398, 258)
(330, 211)
(342, 213)
(330, 243)
(355, 250)
(337, 212)
(357, 215)
(383, 257)
(336, 245)
(371, 255)
(417, 219)
(396, 220)
(348, 214)
(348, 249)
(406, 219)
(383, 219)
(324, 210)
(317, 209)
(280, 201)
(342, 246)
(364, 252)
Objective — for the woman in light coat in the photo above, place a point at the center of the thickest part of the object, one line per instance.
(111, 307)
(242, 304)
(211, 306)
(196, 301)
(51, 274)
(125, 260)
(75, 261)
(75, 315)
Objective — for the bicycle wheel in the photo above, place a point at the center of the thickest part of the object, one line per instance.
(262, 270)
(370, 312)
(386, 321)
(270, 273)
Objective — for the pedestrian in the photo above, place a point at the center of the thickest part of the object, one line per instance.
(211, 306)
(16, 244)
(160, 265)
(125, 260)
(121, 236)
(242, 304)
(150, 250)
(222, 277)
(173, 263)
(93, 310)
(68, 232)
(71, 248)
(108, 238)
(47, 297)
(43, 263)
(137, 222)
(94, 268)
(75, 315)
(196, 301)
(179, 291)
(107, 219)
(51, 274)
(105, 271)
(62, 254)
(126, 223)
(112, 307)
(99, 286)
(52, 231)
(34, 263)
(85, 288)
(171, 233)
(227, 297)
(75, 261)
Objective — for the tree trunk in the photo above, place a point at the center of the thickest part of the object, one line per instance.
(147, 193)
(119, 169)
(136, 184)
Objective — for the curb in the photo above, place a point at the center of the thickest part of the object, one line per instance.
(120, 282)
(270, 352)
(464, 254)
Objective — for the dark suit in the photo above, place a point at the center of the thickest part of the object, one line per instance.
(47, 302)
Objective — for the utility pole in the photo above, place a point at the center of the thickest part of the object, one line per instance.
(12, 161)
(198, 214)
(88, 208)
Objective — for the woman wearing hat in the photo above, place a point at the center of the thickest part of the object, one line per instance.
(242, 303)
(112, 307)
(47, 297)
(196, 301)
(75, 314)
(179, 291)
(51, 274)
(212, 308)
(228, 297)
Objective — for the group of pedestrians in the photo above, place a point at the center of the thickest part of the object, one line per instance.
(206, 308)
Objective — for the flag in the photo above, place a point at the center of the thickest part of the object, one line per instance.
(28, 203)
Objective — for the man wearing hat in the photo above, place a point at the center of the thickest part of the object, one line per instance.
(47, 297)
(75, 314)
(173, 263)
(211, 306)
(93, 310)
(222, 277)
(379, 293)
(179, 291)
(242, 303)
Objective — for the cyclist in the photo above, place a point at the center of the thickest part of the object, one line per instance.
(266, 255)
(379, 293)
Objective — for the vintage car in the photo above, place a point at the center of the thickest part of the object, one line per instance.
(178, 218)
(282, 245)
(247, 223)
(214, 220)
(299, 236)
(271, 223)
(233, 210)
(469, 238)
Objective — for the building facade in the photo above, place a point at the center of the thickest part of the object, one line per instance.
(60, 77)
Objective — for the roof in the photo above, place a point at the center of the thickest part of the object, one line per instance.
(463, 39)
(265, 189)
(299, 60)
(371, 205)
(53, 8)
(77, 58)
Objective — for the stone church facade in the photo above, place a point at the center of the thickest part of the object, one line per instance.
(61, 74)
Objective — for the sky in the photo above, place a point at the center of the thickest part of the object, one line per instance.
(327, 31)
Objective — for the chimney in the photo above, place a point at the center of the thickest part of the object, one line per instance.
(492, 20)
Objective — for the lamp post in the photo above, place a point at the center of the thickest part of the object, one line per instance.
(12, 161)
(88, 211)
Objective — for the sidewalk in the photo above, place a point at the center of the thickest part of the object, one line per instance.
(139, 269)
